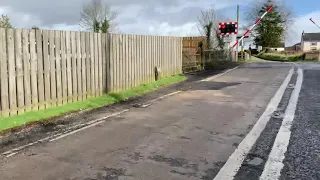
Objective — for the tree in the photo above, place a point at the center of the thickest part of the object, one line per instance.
(35, 27)
(5, 21)
(105, 26)
(208, 26)
(271, 30)
(97, 17)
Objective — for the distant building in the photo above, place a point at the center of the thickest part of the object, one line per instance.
(310, 42)
(296, 47)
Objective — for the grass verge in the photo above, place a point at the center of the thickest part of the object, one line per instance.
(106, 99)
(281, 57)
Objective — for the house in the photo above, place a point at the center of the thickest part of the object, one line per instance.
(296, 47)
(310, 42)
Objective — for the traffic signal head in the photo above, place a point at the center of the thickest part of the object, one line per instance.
(228, 28)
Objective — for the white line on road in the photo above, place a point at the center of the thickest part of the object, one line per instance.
(89, 125)
(274, 165)
(101, 120)
(77, 128)
(218, 75)
(231, 167)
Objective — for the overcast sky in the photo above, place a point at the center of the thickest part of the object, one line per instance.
(154, 17)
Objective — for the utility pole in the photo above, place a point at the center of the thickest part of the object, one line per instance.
(238, 16)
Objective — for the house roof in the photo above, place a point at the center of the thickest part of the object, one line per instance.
(311, 36)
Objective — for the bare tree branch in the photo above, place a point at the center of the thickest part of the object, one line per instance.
(210, 18)
(97, 12)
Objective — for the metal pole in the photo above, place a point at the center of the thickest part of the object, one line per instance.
(238, 17)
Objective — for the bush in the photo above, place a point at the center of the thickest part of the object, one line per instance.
(281, 57)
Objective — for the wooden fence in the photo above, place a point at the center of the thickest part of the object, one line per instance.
(191, 59)
(134, 58)
(43, 68)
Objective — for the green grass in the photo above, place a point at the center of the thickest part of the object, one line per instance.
(281, 57)
(106, 99)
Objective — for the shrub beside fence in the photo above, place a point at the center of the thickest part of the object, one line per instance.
(44, 68)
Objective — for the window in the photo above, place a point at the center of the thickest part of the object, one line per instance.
(313, 48)
(313, 43)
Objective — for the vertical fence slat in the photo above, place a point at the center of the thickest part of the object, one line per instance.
(130, 61)
(33, 65)
(39, 42)
(96, 65)
(162, 59)
(74, 67)
(174, 47)
(88, 67)
(52, 69)
(79, 62)
(168, 56)
(46, 67)
(104, 62)
(4, 74)
(157, 51)
(127, 62)
(144, 59)
(69, 66)
(134, 62)
(113, 57)
(179, 55)
(92, 88)
(26, 69)
(19, 70)
(117, 62)
(83, 65)
(149, 57)
(12, 72)
(64, 68)
(138, 59)
(123, 62)
(108, 55)
(140, 42)
(57, 42)
(100, 73)
(152, 56)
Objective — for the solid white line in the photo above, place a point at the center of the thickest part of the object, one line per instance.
(12, 154)
(84, 126)
(162, 97)
(218, 75)
(231, 167)
(274, 165)
(89, 125)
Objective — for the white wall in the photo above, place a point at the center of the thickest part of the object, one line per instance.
(307, 46)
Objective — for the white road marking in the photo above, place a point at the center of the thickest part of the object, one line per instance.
(12, 154)
(162, 97)
(274, 165)
(70, 130)
(232, 166)
(89, 125)
(218, 75)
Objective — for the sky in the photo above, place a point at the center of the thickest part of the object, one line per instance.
(151, 17)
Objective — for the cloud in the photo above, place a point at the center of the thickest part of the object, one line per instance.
(135, 16)
(301, 24)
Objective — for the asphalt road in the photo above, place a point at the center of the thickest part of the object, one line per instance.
(259, 121)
